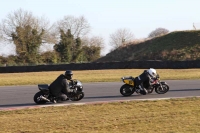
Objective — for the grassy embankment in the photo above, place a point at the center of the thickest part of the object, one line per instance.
(179, 46)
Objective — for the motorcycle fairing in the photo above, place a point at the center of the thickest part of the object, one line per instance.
(128, 80)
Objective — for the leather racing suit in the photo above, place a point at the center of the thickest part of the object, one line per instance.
(140, 80)
(60, 87)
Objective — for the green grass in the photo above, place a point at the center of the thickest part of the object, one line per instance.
(179, 46)
(163, 116)
(114, 75)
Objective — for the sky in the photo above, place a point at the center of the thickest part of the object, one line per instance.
(107, 16)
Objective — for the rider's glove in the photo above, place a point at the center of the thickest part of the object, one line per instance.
(73, 82)
(151, 81)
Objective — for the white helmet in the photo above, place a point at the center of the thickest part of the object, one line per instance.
(152, 72)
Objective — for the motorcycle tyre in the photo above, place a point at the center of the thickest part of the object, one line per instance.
(125, 86)
(38, 94)
(78, 98)
(162, 92)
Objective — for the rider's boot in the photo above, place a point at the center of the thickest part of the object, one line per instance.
(137, 90)
(143, 91)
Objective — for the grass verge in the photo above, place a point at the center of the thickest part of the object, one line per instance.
(113, 75)
(163, 116)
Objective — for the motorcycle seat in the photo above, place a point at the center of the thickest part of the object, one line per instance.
(43, 86)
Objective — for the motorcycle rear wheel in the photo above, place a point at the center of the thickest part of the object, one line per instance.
(36, 98)
(127, 90)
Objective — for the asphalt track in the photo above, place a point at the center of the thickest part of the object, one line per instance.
(18, 97)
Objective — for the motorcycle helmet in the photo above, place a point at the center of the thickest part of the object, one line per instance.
(68, 74)
(152, 72)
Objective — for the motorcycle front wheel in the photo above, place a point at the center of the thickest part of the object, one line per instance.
(127, 90)
(165, 89)
(77, 97)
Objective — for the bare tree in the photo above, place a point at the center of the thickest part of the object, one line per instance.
(79, 26)
(96, 41)
(158, 32)
(92, 48)
(22, 18)
(121, 37)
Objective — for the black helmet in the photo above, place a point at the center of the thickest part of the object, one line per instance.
(68, 74)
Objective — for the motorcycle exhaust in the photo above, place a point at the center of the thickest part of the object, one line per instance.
(44, 98)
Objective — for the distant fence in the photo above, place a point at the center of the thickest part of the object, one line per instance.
(106, 65)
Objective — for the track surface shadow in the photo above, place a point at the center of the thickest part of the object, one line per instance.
(186, 90)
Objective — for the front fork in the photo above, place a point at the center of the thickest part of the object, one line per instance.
(161, 85)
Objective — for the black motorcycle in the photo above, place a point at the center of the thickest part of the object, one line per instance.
(129, 87)
(44, 95)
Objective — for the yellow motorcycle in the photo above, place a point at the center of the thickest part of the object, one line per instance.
(129, 87)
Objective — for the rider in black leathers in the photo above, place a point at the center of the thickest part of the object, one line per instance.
(61, 87)
(146, 76)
